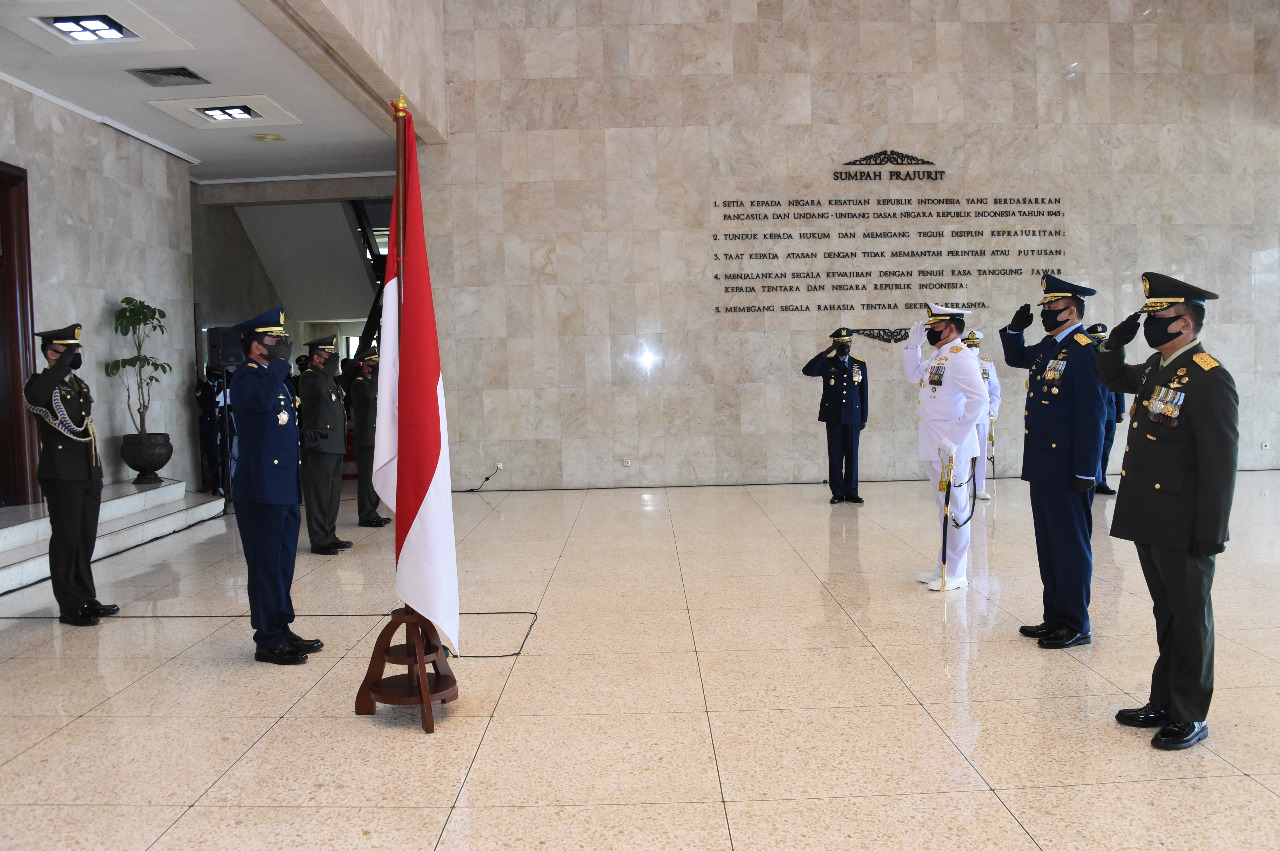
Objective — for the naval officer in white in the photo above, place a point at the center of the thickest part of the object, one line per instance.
(985, 424)
(953, 397)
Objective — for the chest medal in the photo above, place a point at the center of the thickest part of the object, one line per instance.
(283, 418)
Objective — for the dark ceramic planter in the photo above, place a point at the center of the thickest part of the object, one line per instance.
(146, 453)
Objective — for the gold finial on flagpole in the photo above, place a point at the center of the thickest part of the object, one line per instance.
(402, 106)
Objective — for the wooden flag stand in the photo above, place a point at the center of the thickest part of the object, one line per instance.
(417, 687)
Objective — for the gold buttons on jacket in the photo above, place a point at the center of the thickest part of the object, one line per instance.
(1053, 446)
(275, 462)
(1157, 486)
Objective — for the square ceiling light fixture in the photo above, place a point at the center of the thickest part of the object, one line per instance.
(223, 112)
(89, 29)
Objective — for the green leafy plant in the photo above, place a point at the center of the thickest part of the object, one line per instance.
(138, 321)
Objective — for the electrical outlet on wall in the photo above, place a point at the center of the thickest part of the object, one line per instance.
(626, 462)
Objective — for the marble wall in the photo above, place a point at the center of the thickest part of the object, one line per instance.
(570, 214)
(110, 217)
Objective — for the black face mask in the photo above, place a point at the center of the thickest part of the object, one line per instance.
(933, 336)
(76, 361)
(330, 367)
(1155, 330)
(1052, 319)
(842, 349)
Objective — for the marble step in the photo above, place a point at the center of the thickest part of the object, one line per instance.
(27, 524)
(29, 563)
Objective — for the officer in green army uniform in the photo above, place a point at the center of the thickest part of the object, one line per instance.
(1175, 494)
(364, 409)
(70, 474)
(322, 419)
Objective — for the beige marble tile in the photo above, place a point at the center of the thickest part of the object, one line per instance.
(1211, 812)
(1238, 723)
(19, 635)
(754, 592)
(131, 637)
(1265, 641)
(310, 827)
(1127, 662)
(480, 682)
(799, 679)
(820, 626)
(67, 687)
(21, 733)
(620, 594)
(1064, 741)
(647, 826)
(79, 826)
(805, 753)
(955, 820)
(603, 684)
(593, 759)
(235, 640)
(992, 670)
(133, 761)
(333, 762)
(557, 633)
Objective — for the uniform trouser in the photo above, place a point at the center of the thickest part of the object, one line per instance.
(322, 494)
(957, 539)
(367, 501)
(73, 521)
(984, 446)
(1063, 522)
(842, 458)
(269, 535)
(1108, 438)
(209, 446)
(1180, 584)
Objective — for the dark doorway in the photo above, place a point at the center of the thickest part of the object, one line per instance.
(17, 345)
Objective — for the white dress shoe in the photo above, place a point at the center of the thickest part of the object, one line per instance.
(953, 583)
(982, 495)
(928, 576)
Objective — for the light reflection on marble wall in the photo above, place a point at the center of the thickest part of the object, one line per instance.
(110, 216)
(569, 214)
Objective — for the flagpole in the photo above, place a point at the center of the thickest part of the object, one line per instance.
(402, 212)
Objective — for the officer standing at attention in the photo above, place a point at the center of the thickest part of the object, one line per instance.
(322, 416)
(207, 406)
(987, 425)
(1115, 414)
(1176, 487)
(1061, 454)
(364, 405)
(265, 490)
(843, 409)
(70, 474)
(952, 400)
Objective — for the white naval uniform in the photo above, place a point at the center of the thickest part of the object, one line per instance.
(984, 423)
(949, 411)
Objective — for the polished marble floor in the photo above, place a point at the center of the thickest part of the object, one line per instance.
(739, 667)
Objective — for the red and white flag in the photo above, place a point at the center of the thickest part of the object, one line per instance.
(411, 450)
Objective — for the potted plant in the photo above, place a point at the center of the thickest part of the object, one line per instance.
(144, 452)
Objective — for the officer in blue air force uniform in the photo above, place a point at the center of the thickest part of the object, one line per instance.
(843, 409)
(266, 488)
(1062, 453)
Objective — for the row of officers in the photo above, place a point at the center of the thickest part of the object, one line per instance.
(290, 438)
(1177, 479)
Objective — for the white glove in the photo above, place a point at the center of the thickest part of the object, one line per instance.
(947, 449)
(916, 336)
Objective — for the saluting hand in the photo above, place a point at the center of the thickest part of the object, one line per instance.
(916, 336)
(1123, 334)
(1021, 320)
(68, 355)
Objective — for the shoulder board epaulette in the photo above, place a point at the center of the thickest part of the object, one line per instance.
(833, 354)
(1084, 339)
(1205, 361)
(858, 359)
(957, 349)
(253, 363)
(988, 360)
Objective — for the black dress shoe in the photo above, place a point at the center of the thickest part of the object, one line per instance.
(306, 645)
(340, 545)
(855, 499)
(1038, 631)
(1179, 735)
(1062, 638)
(1151, 715)
(326, 550)
(836, 500)
(1106, 489)
(373, 524)
(103, 610)
(79, 617)
(281, 654)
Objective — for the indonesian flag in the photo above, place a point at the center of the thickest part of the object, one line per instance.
(411, 451)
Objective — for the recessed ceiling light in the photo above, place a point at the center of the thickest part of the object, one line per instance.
(88, 29)
(227, 113)
(268, 137)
